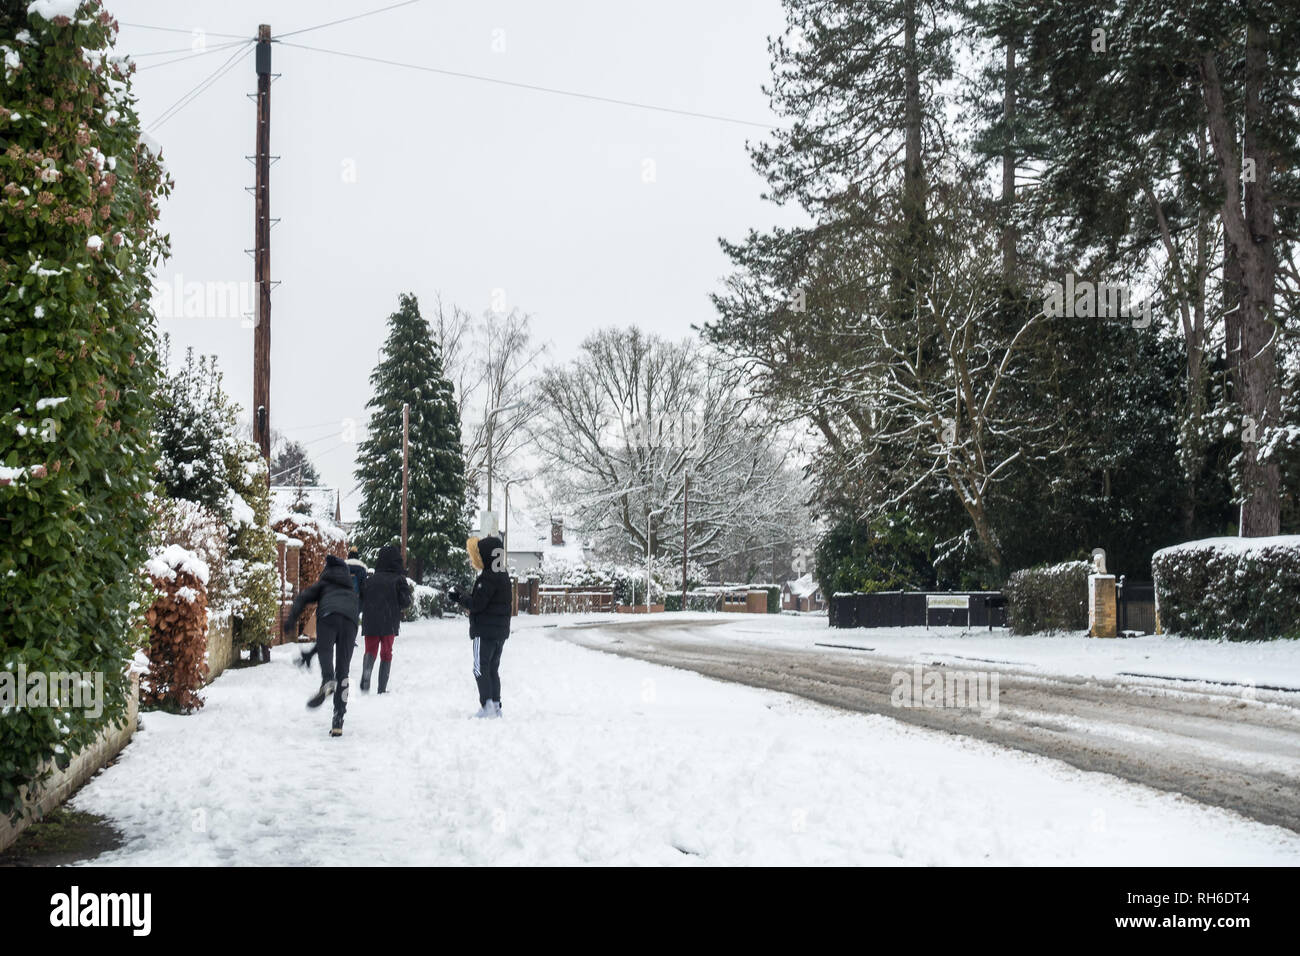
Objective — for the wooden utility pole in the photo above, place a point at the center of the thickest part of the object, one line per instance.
(406, 431)
(686, 504)
(262, 252)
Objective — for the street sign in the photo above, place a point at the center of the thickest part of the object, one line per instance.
(953, 602)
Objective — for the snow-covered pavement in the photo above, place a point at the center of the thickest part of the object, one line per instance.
(605, 760)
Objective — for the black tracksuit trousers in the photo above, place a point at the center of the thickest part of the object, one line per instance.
(336, 638)
(487, 668)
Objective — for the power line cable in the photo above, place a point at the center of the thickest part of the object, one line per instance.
(317, 456)
(190, 31)
(200, 51)
(190, 55)
(358, 16)
(230, 63)
(303, 428)
(533, 87)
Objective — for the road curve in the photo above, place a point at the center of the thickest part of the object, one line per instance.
(1216, 746)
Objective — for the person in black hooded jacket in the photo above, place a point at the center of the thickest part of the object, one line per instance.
(358, 569)
(489, 605)
(387, 593)
(337, 607)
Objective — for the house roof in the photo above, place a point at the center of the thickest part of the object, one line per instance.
(530, 532)
(803, 586)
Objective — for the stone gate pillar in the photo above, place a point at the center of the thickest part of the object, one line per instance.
(1102, 611)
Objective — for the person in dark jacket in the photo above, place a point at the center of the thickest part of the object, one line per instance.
(359, 571)
(337, 607)
(387, 593)
(489, 605)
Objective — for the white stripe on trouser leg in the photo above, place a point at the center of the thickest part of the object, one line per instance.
(478, 671)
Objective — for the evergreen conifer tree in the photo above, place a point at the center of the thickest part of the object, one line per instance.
(412, 372)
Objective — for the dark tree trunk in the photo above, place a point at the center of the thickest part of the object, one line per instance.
(1009, 167)
(1251, 262)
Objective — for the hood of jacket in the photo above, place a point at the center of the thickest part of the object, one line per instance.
(488, 550)
(336, 571)
(390, 559)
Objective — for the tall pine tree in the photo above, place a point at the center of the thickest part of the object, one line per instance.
(412, 371)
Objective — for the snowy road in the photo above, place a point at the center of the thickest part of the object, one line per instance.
(1228, 746)
(607, 760)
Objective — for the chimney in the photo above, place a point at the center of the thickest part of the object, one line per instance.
(557, 531)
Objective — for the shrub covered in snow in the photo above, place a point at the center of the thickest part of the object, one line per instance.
(178, 631)
(427, 602)
(188, 525)
(1049, 598)
(78, 370)
(1239, 589)
(708, 600)
(629, 586)
(559, 570)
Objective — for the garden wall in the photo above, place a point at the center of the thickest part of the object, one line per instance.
(62, 784)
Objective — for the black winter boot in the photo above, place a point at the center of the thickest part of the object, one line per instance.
(336, 728)
(383, 675)
(318, 698)
(367, 665)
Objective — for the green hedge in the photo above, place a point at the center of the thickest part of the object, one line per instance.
(1238, 589)
(78, 373)
(1049, 598)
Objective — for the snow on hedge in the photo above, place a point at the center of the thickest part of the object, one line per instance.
(174, 559)
(1049, 599)
(326, 529)
(49, 9)
(1238, 589)
(1235, 545)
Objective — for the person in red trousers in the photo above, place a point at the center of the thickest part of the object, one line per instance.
(387, 593)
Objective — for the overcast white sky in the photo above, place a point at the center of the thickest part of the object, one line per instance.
(461, 187)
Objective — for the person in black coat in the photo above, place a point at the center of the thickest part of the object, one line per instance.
(489, 605)
(387, 593)
(337, 608)
(358, 569)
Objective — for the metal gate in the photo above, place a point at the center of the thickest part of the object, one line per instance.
(1137, 606)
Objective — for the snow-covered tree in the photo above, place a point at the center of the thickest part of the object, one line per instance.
(492, 362)
(412, 372)
(205, 460)
(291, 465)
(625, 423)
(251, 551)
(193, 428)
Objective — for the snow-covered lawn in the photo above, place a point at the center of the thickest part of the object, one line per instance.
(607, 760)
(1262, 663)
